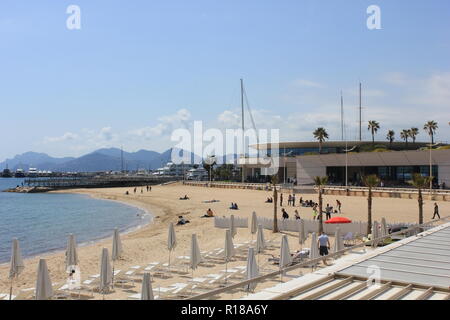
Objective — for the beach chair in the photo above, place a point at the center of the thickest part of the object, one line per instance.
(77, 290)
(23, 294)
(182, 290)
(137, 296)
(163, 292)
(128, 276)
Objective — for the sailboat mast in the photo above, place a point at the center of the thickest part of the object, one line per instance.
(360, 113)
(243, 140)
(342, 117)
(121, 159)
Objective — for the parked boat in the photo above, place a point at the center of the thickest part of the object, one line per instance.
(19, 173)
(7, 173)
(32, 172)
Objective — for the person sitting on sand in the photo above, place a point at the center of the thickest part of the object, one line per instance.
(297, 215)
(209, 214)
(182, 221)
(185, 197)
(284, 214)
(127, 193)
(234, 206)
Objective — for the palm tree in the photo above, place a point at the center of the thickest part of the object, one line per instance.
(321, 135)
(320, 182)
(430, 127)
(370, 182)
(405, 135)
(420, 182)
(390, 136)
(275, 201)
(373, 127)
(413, 132)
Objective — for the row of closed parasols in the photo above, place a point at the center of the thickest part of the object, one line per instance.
(44, 288)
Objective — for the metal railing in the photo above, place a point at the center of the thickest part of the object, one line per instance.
(308, 263)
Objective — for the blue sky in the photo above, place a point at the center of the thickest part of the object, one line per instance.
(139, 69)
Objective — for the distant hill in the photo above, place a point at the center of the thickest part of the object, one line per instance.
(33, 160)
(106, 159)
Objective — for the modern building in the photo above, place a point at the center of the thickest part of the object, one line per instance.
(197, 174)
(172, 169)
(394, 164)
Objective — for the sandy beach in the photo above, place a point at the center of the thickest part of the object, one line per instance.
(149, 243)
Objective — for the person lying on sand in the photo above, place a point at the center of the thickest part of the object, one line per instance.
(185, 197)
(182, 221)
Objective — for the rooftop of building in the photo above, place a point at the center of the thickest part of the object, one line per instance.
(343, 144)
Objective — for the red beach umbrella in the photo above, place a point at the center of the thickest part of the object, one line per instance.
(338, 220)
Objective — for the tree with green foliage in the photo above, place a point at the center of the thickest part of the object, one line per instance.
(373, 127)
(319, 183)
(274, 181)
(405, 135)
(370, 182)
(420, 182)
(390, 136)
(413, 132)
(430, 127)
(321, 135)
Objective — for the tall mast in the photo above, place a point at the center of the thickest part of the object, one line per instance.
(342, 116)
(121, 159)
(243, 140)
(360, 113)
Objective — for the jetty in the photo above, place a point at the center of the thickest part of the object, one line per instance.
(51, 184)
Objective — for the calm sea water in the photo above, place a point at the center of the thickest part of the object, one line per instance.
(43, 221)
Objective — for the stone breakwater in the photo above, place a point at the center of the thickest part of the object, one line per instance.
(28, 189)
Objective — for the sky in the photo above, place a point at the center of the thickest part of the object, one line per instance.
(137, 70)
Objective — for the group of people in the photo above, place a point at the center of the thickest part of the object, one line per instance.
(234, 206)
(285, 215)
(149, 188)
(269, 200)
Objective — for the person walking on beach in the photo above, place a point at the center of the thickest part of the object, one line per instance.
(293, 200)
(135, 190)
(315, 212)
(297, 215)
(281, 200)
(436, 211)
(328, 211)
(339, 204)
(324, 245)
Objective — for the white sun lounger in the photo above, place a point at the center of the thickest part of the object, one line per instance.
(137, 296)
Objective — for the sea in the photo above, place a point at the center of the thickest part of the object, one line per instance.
(42, 221)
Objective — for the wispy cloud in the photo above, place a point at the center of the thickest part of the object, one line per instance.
(303, 83)
(65, 137)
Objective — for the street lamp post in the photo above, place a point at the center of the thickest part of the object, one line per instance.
(346, 163)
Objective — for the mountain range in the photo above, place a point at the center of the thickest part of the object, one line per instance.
(106, 159)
